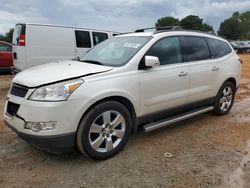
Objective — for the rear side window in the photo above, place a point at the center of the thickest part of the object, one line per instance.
(5, 47)
(82, 39)
(195, 48)
(99, 37)
(168, 50)
(220, 48)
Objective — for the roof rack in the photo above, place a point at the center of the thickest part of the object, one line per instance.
(159, 28)
(169, 29)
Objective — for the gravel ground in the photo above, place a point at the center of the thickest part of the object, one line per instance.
(206, 151)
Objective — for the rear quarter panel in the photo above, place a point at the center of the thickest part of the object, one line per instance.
(230, 67)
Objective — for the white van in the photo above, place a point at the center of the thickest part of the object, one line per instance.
(35, 44)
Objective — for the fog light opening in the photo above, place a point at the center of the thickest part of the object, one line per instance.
(39, 126)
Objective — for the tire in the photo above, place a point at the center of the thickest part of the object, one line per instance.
(224, 99)
(104, 130)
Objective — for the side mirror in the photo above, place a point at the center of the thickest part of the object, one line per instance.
(151, 61)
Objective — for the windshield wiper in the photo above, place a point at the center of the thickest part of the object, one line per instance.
(76, 59)
(92, 61)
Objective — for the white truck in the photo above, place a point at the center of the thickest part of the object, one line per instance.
(35, 44)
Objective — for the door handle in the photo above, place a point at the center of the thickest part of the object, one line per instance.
(183, 73)
(215, 68)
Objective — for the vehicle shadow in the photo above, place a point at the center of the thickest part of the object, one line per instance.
(5, 73)
(136, 140)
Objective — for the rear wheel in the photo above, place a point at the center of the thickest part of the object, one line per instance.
(104, 130)
(225, 98)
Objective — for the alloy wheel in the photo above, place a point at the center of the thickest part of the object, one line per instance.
(226, 98)
(107, 131)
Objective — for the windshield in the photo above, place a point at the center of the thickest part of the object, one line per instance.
(115, 52)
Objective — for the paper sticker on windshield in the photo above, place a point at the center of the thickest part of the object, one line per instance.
(131, 45)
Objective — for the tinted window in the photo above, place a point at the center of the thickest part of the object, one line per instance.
(99, 37)
(16, 33)
(168, 50)
(5, 47)
(220, 48)
(83, 39)
(195, 48)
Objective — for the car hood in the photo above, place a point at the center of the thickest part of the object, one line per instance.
(57, 71)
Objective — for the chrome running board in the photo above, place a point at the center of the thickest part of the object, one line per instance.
(174, 119)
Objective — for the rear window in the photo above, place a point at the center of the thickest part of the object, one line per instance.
(220, 48)
(82, 39)
(195, 48)
(19, 29)
(99, 37)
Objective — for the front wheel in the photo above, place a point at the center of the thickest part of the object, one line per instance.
(225, 98)
(104, 130)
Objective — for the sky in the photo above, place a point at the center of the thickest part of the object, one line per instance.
(114, 15)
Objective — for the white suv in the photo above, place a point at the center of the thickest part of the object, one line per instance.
(141, 79)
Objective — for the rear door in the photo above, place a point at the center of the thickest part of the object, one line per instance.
(166, 86)
(19, 46)
(203, 70)
(5, 55)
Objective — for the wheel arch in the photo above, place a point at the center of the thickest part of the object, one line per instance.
(232, 80)
(121, 99)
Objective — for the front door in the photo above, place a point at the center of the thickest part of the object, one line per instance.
(166, 86)
(5, 55)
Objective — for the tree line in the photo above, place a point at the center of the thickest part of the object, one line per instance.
(236, 27)
(8, 36)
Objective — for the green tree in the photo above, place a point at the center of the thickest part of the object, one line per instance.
(244, 18)
(195, 23)
(8, 36)
(230, 29)
(236, 27)
(191, 22)
(206, 27)
(167, 21)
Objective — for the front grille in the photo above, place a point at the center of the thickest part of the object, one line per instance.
(12, 108)
(18, 90)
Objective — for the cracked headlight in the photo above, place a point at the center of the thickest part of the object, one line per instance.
(55, 92)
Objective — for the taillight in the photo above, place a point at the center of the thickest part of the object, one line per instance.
(21, 40)
(240, 60)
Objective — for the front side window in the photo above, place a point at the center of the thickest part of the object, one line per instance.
(99, 37)
(168, 51)
(115, 52)
(195, 48)
(220, 48)
(82, 39)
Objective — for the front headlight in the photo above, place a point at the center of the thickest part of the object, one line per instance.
(56, 92)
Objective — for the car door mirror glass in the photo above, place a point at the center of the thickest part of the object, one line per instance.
(151, 61)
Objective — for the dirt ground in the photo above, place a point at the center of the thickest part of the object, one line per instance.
(207, 151)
